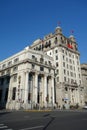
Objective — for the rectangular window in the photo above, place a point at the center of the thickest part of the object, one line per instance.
(70, 61)
(71, 74)
(56, 57)
(68, 80)
(64, 79)
(79, 81)
(63, 57)
(14, 93)
(63, 64)
(64, 71)
(57, 64)
(56, 51)
(68, 73)
(70, 67)
(41, 68)
(67, 66)
(79, 75)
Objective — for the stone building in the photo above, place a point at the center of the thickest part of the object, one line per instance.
(45, 73)
(27, 80)
(66, 58)
(84, 80)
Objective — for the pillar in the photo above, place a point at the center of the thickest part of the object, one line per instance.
(36, 87)
(52, 89)
(45, 90)
(26, 87)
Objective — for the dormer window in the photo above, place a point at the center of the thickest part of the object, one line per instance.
(9, 63)
(16, 60)
(15, 68)
(4, 65)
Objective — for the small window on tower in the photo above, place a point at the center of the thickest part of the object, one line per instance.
(41, 68)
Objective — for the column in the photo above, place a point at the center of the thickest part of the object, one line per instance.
(52, 89)
(69, 95)
(45, 90)
(26, 87)
(78, 96)
(35, 89)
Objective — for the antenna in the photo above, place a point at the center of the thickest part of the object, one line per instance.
(72, 32)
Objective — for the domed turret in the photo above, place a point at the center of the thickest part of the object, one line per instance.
(72, 38)
(58, 30)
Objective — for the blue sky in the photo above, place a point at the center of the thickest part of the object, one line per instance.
(23, 21)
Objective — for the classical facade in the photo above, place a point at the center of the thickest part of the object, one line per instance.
(84, 80)
(45, 73)
(27, 80)
(65, 54)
